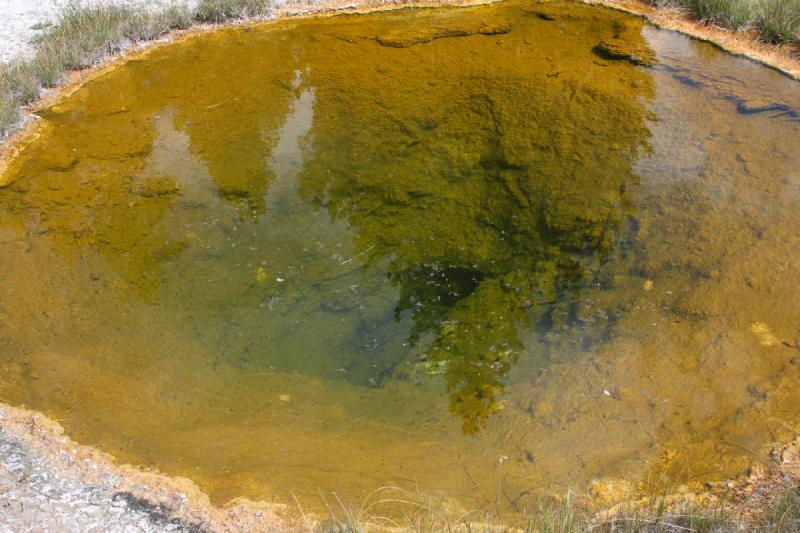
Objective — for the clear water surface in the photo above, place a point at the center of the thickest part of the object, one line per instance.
(486, 254)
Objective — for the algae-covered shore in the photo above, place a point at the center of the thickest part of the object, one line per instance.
(50, 483)
(88, 482)
(32, 74)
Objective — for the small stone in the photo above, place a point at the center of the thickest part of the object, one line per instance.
(156, 186)
(620, 49)
(529, 457)
(756, 393)
(405, 38)
(764, 334)
(543, 15)
(494, 28)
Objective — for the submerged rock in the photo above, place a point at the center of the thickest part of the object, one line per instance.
(542, 15)
(617, 49)
(406, 38)
(495, 28)
(549, 14)
(155, 186)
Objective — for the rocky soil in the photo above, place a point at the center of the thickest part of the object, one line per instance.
(49, 483)
(38, 494)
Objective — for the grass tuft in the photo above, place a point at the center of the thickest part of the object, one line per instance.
(690, 518)
(9, 111)
(20, 80)
(84, 34)
(736, 14)
(222, 10)
(775, 510)
(80, 37)
(555, 517)
(777, 21)
(784, 512)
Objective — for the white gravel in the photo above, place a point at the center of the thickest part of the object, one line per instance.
(38, 496)
(17, 18)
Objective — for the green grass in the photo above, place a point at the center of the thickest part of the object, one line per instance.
(83, 34)
(736, 14)
(410, 511)
(221, 10)
(9, 110)
(784, 512)
(687, 517)
(775, 510)
(777, 21)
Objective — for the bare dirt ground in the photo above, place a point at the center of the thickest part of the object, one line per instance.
(38, 494)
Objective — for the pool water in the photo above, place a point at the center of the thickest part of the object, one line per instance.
(485, 254)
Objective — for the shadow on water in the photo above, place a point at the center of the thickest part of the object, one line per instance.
(484, 191)
(487, 194)
(481, 194)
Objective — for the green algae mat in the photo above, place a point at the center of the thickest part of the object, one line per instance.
(484, 255)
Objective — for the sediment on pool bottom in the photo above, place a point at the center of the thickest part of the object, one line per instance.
(466, 243)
